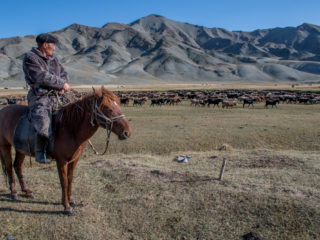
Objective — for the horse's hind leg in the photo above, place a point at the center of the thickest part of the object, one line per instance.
(18, 163)
(7, 159)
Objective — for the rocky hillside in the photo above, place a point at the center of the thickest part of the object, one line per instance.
(155, 49)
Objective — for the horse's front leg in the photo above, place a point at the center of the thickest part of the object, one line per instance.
(71, 167)
(62, 166)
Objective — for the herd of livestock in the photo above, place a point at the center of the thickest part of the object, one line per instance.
(219, 98)
(215, 98)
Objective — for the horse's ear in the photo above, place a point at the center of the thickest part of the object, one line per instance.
(97, 92)
(103, 89)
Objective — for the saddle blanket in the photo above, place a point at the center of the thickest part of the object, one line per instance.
(24, 135)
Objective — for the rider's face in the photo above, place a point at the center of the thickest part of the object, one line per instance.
(48, 48)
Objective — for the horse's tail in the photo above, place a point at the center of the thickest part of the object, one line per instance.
(3, 165)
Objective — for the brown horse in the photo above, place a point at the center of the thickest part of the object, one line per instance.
(80, 120)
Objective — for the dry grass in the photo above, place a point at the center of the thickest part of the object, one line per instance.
(141, 196)
(161, 130)
(271, 184)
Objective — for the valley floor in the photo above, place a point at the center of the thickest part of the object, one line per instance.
(271, 184)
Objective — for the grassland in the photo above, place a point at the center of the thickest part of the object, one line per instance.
(166, 129)
(271, 184)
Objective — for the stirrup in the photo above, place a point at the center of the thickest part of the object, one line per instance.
(41, 157)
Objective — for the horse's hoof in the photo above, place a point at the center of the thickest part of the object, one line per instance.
(73, 203)
(14, 196)
(30, 195)
(69, 212)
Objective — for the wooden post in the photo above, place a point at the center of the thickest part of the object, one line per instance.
(222, 168)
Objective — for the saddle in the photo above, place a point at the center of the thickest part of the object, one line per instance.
(25, 134)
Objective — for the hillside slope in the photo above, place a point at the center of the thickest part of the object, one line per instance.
(157, 49)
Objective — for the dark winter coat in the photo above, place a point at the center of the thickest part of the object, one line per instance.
(43, 74)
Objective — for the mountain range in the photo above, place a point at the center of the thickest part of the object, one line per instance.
(154, 49)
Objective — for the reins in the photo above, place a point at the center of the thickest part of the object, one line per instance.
(96, 115)
(101, 119)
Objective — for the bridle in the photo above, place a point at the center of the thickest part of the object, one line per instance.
(98, 116)
(102, 120)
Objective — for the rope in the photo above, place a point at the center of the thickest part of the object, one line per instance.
(29, 150)
(101, 119)
(107, 143)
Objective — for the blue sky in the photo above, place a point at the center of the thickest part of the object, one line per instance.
(21, 17)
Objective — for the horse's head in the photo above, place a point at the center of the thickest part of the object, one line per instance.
(108, 114)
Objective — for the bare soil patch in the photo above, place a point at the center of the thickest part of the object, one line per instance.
(278, 162)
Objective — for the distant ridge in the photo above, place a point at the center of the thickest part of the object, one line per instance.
(154, 49)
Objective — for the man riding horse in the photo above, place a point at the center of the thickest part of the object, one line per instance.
(46, 78)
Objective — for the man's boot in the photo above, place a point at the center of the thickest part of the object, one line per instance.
(41, 149)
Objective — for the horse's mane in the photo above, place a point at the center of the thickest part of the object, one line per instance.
(75, 112)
